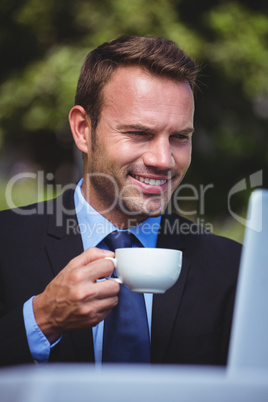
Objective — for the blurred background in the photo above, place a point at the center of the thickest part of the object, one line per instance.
(43, 45)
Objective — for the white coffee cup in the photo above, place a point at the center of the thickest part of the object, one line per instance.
(147, 270)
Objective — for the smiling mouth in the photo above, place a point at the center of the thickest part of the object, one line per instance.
(151, 182)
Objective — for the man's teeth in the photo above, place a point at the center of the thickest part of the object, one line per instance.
(152, 182)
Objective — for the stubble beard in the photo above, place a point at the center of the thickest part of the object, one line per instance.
(120, 201)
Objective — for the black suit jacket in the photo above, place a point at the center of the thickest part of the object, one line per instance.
(190, 323)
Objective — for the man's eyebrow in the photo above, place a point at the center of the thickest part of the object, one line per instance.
(186, 131)
(138, 127)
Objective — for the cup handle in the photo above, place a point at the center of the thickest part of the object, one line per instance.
(115, 265)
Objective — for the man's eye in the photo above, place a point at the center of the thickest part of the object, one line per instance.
(137, 132)
(180, 137)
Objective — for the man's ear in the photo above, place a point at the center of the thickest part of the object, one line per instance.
(80, 127)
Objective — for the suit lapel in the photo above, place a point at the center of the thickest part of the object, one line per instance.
(63, 243)
(63, 238)
(165, 306)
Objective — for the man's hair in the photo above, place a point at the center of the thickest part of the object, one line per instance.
(159, 56)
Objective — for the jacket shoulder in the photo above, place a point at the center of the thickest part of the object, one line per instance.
(198, 238)
(34, 218)
(24, 219)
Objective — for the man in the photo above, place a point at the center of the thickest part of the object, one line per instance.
(133, 122)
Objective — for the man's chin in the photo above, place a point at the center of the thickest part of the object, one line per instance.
(146, 211)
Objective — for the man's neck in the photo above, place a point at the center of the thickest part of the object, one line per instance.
(118, 218)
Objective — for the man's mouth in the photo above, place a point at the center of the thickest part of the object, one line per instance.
(151, 182)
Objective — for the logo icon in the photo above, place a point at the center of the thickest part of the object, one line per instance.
(255, 180)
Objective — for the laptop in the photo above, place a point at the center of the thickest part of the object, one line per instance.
(249, 335)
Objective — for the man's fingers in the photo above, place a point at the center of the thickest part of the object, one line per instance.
(99, 269)
(98, 290)
(88, 256)
(90, 273)
(75, 298)
(107, 288)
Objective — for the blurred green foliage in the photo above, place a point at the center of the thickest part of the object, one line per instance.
(240, 48)
(43, 45)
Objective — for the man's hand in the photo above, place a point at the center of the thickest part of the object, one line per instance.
(74, 299)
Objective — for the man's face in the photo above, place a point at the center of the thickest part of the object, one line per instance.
(142, 148)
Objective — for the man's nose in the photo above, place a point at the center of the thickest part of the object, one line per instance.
(159, 154)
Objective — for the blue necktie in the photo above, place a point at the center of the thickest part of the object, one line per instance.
(126, 333)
